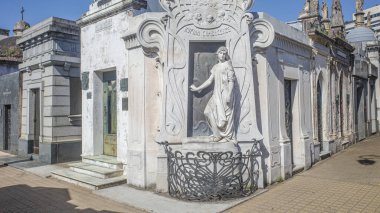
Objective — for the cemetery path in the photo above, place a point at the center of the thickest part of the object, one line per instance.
(347, 182)
(21, 191)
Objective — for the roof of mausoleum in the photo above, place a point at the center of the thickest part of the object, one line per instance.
(361, 34)
(9, 51)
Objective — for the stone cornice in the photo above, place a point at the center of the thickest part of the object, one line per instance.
(344, 44)
(293, 46)
(131, 41)
(47, 26)
(50, 60)
(320, 37)
(373, 47)
(10, 60)
(106, 12)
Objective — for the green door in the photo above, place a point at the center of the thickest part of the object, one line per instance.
(109, 114)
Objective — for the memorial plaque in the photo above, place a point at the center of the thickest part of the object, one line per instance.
(125, 104)
(89, 95)
(124, 85)
(85, 80)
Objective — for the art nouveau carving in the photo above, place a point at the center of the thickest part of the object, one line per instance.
(208, 21)
(261, 33)
(152, 36)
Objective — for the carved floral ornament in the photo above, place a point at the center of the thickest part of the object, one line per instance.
(203, 14)
(206, 14)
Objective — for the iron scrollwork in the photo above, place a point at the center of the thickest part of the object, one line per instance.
(212, 176)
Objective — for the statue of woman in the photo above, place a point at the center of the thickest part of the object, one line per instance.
(306, 10)
(219, 111)
(359, 5)
(325, 11)
(369, 19)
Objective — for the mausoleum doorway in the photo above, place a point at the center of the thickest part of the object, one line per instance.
(360, 114)
(35, 118)
(292, 121)
(7, 127)
(319, 114)
(109, 114)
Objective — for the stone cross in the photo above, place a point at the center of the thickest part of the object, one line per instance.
(22, 13)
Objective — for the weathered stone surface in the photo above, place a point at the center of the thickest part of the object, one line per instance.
(9, 97)
(52, 153)
(47, 68)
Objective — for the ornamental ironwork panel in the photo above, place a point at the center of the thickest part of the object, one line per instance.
(212, 176)
(319, 113)
(288, 108)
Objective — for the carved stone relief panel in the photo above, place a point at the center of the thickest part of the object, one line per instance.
(213, 22)
(275, 157)
(202, 59)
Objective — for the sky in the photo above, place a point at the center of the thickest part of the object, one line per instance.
(38, 10)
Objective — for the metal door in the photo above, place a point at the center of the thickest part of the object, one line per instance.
(319, 114)
(341, 106)
(288, 112)
(109, 114)
(8, 126)
(36, 121)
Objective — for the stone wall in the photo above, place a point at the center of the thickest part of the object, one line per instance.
(284, 80)
(9, 96)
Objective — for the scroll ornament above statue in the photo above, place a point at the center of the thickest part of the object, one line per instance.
(206, 14)
(169, 5)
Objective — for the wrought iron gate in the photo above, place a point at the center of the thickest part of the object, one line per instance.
(288, 108)
(210, 176)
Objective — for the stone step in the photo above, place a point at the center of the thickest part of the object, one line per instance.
(103, 161)
(87, 181)
(95, 171)
(324, 154)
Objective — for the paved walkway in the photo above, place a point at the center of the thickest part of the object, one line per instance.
(25, 192)
(347, 182)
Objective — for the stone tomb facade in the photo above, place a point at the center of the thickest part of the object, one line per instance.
(138, 65)
(179, 48)
(283, 72)
(51, 94)
(115, 88)
(9, 100)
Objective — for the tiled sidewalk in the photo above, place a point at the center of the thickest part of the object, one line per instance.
(25, 192)
(348, 182)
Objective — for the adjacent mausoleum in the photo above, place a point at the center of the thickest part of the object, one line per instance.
(51, 92)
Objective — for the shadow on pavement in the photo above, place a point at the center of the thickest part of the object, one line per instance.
(23, 198)
(368, 160)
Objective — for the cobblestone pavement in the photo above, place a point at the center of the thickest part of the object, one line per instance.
(24, 192)
(347, 182)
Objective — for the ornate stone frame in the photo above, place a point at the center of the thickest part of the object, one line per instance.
(169, 38)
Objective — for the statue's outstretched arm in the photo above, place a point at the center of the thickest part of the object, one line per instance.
(206, 84)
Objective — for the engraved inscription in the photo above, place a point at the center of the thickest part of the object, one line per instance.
(207, 33)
